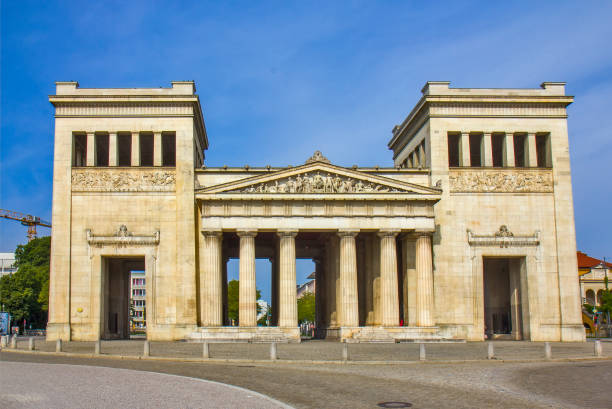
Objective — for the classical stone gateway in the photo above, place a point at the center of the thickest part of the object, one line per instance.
(469, 235)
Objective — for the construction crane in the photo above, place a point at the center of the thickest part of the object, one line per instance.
(26, 220)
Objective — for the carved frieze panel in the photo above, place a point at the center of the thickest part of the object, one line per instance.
(501, 180)
(123, 180)
(318, 182)
(122, 237)
(503, 238)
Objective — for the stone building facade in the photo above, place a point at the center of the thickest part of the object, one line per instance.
(469, 234)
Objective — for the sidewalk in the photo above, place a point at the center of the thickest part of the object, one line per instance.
(326, 351)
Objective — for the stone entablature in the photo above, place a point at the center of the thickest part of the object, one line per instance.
(501, 180)
(123, 180)
(122, 237)
(503, 238)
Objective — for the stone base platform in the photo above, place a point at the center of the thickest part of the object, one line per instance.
(245, 334)
(383, 334)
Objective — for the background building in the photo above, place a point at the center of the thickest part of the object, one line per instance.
(7, 263)
(592, 273)
(138, 301)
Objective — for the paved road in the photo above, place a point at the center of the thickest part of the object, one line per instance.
(42, 385)
(483, 385)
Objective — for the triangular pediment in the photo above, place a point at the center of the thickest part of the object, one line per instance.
(318, 178)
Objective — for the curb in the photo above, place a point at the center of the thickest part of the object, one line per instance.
(302, 362)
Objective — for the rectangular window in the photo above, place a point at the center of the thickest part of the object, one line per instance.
(453, 150)
(497, 146)
(146, 149)
(79, 157)
(124, 140)
(168, 149)
(520, 153)
(543, 150)
(476, 149)
(101, 149)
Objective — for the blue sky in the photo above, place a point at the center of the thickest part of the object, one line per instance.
(286, 78)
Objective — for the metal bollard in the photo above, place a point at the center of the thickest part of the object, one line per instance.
(205, 350)
(147, 348)
(58, 345)
(31, 344)
(422, 353)
(14, 342)
(345, 354)
(98, 347)
(490, 351)
(273, 351)
(598, 351)
(547, 350)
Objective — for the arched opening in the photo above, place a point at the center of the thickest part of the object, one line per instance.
(590, 297)
(599, 294)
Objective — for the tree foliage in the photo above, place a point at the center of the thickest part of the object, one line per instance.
(25, 294)
(233, 300)
(306, 308)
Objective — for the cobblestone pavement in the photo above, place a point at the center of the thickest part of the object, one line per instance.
(436, 385)
(40, 385)
(329, 351)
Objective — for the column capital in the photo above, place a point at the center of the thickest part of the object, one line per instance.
(246, 233)
(212, 232)
(347, 233)
(90, 132)
(387, 232)
(286, 233)
(157, 132)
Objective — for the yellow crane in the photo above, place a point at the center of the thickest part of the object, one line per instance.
(26, 220)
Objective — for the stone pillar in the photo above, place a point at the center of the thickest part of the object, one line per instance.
(389, 296)
(509, 150)
(348, 279)
(157, 149)
(424, 293)
(91, 149)
(464, 145)
(530, 149)
(319, 289)
(113, 152)
(288, 316)
(409, 279)
(211, 280)
(135, 148)
(488, 150)
(247, 308)
(224, 288)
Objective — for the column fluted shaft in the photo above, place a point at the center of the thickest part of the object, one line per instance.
(389, 296)
(348, 279)
(288, 316)
(211, 280)
(424, 293)
(247, 291)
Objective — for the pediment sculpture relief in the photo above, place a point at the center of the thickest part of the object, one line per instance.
(319, 183)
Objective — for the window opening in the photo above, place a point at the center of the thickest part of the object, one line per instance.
(79, 157)
(101, 149)
(453, 150)
(146, 149)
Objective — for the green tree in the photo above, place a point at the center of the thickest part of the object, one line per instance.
(25, 294)
(306, 308)
(233, 300)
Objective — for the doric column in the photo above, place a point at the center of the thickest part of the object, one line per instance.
(465, 149)
(348, 279)
(135, 148)
(424, 293)
(488, 150)
(157, 149)
(113, 157)
(247, 291)
(509, 150)
(211, 279)
(288, 316)
(91, 149)
(389, 296)
(530, 149)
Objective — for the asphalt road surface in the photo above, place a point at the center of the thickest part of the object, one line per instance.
(585, 384)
